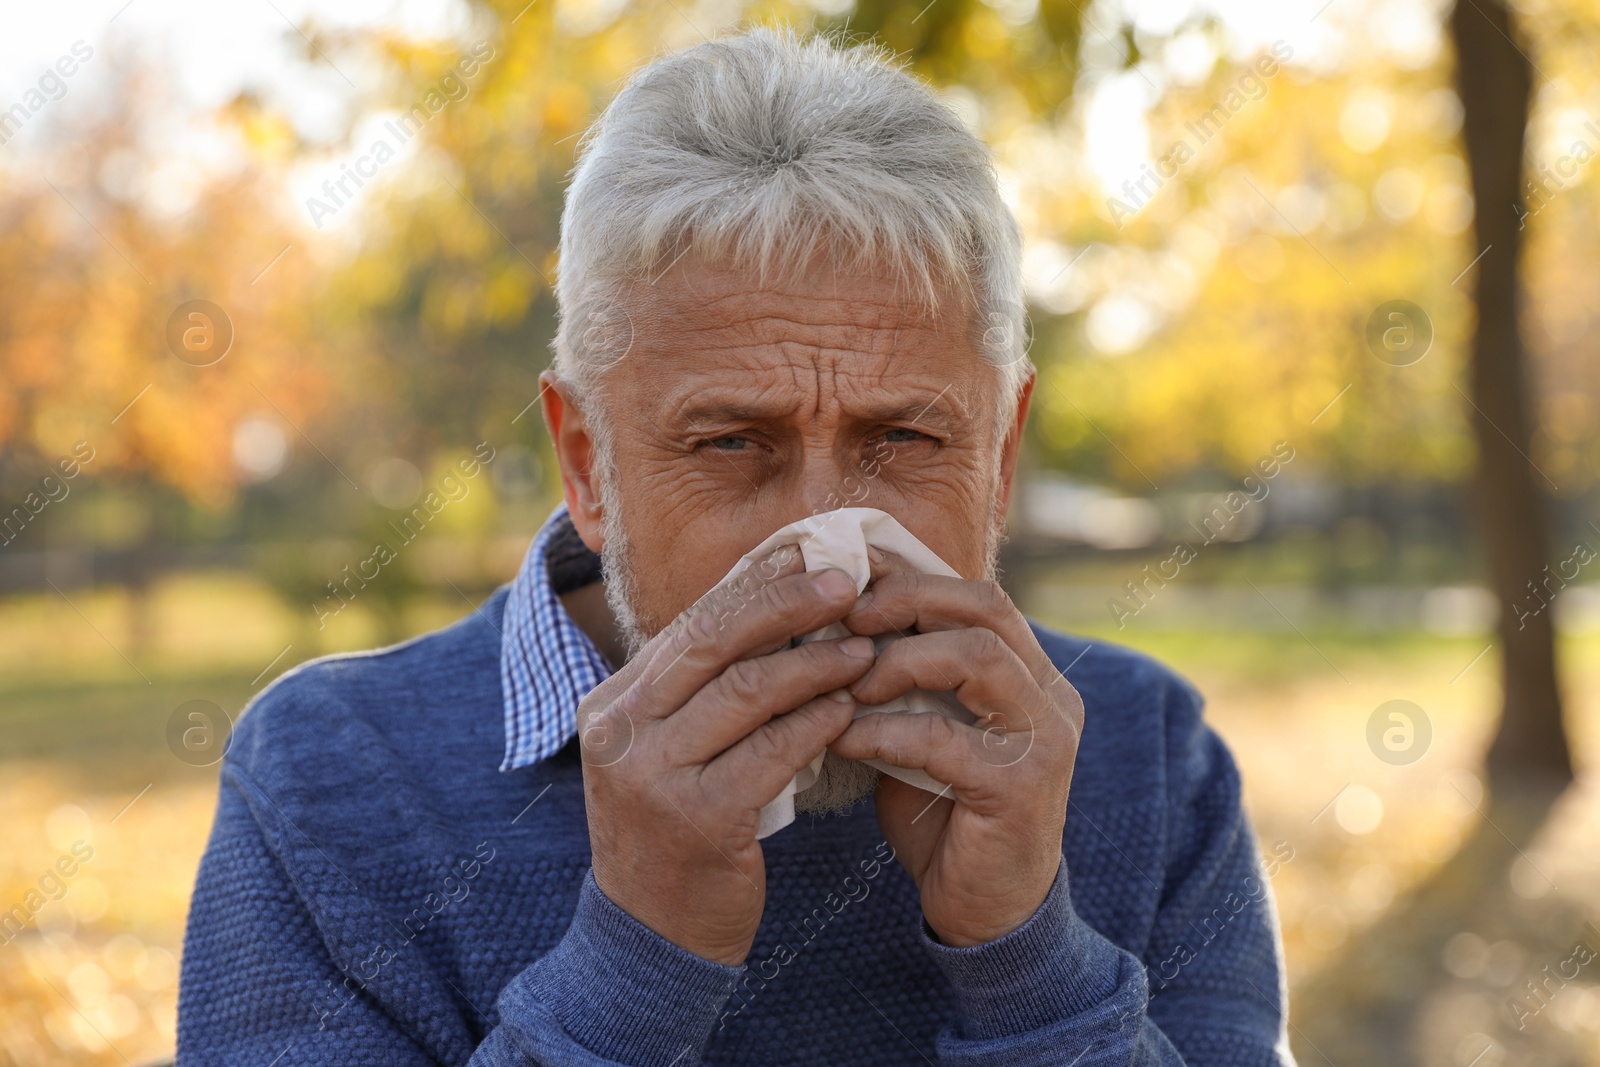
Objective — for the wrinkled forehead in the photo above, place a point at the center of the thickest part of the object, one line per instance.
(707, 333)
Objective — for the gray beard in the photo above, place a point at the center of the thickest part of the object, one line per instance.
(841, 783)
(617, 572)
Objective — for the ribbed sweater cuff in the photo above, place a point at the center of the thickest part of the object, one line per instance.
(624, 992)
(1050, 968)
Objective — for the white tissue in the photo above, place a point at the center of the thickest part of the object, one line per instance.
(840, 539)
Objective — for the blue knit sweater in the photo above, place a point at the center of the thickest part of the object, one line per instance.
(375, 891)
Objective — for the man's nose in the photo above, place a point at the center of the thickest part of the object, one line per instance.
(828, 480)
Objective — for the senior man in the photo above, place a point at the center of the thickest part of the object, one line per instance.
(532, 837)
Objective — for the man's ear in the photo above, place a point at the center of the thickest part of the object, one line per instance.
(575, 452)
(1013, 442)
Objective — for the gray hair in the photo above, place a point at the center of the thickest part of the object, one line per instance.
(761, 148)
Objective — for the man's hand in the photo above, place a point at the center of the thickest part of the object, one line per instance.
(985, 853)
(684, 745)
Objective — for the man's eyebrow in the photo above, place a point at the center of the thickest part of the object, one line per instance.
(918, 413)
(926, 413)
(727, 411)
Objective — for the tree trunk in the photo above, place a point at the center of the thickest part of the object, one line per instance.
(1493, 78)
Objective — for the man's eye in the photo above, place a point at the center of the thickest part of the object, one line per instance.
(729, 444)
(908, 435)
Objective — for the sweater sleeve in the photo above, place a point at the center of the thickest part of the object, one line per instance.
(613, 991)
(260, 982)
(1209, 988)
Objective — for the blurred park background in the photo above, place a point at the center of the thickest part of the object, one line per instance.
(1312, 304)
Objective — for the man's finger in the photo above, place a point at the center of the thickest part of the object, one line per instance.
(882, 562)
(986, 676)
(729, 627)
(751, 692)
(757, 768)
(948, 751)
(727, 600)
(905, 600)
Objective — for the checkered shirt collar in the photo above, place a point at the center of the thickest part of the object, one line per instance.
(547, 664)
